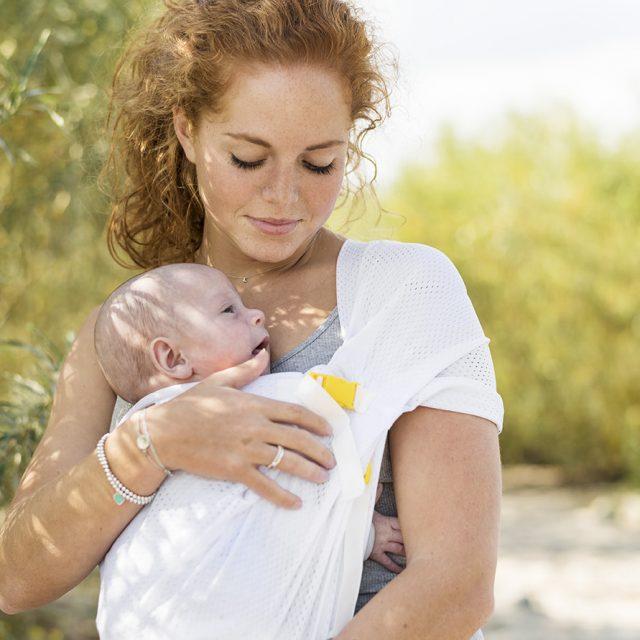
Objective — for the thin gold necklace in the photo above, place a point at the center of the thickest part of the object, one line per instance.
(245, 279)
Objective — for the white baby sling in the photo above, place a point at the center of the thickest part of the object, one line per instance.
(211, 560)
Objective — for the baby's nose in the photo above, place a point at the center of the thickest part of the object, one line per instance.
(257, 316)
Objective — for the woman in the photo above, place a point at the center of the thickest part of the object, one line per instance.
(235, 123)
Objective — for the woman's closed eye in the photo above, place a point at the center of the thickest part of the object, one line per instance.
(230, 309)
(258, 163)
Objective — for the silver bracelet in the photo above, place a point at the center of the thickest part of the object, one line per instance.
(143, 442)
(122, 493)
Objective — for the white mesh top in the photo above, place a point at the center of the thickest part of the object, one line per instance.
(320, 346)
(413, 337)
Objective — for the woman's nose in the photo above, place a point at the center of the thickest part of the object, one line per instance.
(282, 190)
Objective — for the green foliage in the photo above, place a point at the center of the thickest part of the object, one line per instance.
(56, 59)
(23, 417)
(541, 219)
(543, 222)
(16, 96)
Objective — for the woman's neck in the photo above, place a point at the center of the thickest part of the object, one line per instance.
(219, 251)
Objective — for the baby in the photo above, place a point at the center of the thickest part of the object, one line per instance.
(210, 560)
(180, 323)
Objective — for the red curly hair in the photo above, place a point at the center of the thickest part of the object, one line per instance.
(185, 58)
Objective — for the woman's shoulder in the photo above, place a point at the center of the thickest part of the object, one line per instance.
(370, 273)
(384, 261)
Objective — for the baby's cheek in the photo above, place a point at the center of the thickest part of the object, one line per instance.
(206, 364)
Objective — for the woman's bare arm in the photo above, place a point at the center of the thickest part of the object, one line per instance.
(446, 469)
(63, 519)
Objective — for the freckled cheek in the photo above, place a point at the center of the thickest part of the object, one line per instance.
(321, 195)
(225, 188)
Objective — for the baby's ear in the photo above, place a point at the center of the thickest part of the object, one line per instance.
(169, 360)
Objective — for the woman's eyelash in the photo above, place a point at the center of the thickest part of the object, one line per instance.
(322, 170)
(245, 165)
(227, 309)
(254, 165)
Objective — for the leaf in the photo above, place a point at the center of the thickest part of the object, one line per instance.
(32, 59)
(56, 117)
(18, 344)
(7, 152)
(33, 93)
(26, 157)
(25, 384)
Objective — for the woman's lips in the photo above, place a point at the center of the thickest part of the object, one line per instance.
(274, 227)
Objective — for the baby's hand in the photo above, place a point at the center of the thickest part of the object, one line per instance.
(388, 540)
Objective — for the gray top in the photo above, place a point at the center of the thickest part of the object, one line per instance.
(317, 349)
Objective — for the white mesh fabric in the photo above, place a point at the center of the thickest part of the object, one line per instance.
(409, 324)
(207, 559)
(467, 386)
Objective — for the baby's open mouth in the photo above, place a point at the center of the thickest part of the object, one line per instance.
(263, 345)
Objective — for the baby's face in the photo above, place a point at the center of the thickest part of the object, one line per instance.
(219, 331)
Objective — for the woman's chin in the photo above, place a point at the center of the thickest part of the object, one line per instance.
(267, 247)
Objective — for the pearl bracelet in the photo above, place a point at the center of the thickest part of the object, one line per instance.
(122, 493)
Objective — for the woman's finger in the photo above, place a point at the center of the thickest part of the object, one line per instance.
(294, 464)
(297, 440)
(269, 489)
(291, 413)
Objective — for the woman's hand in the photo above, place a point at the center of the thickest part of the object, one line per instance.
(216, 431)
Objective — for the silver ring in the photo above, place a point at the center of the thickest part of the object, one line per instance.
(277, 459)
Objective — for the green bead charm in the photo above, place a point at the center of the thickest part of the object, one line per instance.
(118, 498)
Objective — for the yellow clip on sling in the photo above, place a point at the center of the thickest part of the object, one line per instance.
(341, 390)
(347, 394)
(367, 473)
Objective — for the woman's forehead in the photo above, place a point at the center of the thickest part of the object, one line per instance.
(302, 103)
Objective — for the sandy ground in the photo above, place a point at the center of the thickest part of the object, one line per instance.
(569, 565)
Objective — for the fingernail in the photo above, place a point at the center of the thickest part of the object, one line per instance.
(322, 476)
(297, 504)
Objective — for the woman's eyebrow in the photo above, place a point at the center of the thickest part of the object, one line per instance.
(262, 143)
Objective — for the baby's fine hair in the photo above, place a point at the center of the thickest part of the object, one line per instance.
(137, 311)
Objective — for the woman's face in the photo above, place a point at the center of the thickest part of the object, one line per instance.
(270, 166)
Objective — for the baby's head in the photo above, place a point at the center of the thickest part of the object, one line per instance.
(177, 323)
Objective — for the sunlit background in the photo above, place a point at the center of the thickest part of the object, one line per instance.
(514, 147)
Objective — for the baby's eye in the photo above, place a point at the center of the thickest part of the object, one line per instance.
(229, 309)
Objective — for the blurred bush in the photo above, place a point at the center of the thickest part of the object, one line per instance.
(56, 58)
(543, 222)
(540, 218)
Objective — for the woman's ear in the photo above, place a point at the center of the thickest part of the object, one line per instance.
(169, 360)
(184, 132)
